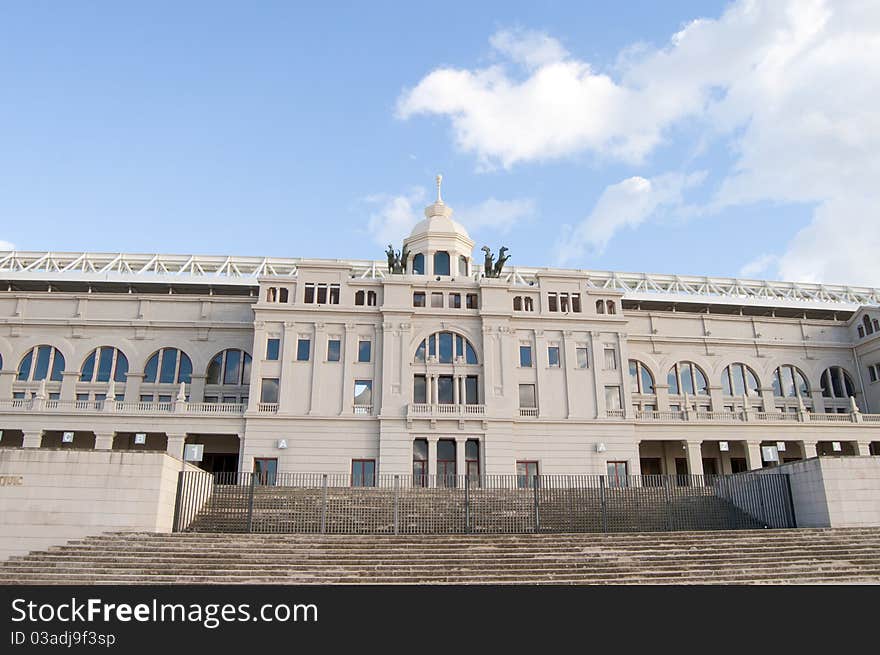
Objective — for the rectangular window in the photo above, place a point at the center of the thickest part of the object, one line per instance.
(212, 399)
(527, 399)
(363, 394)
(563, 302)
(872, 372)
(583, 358)
(363, 473)
(303, 350)
(553, 356)
(269, 390)
(472, 459)
(445, 394)
(526, 474)
(612, 398)
(334, 294)
(610, 359)
(145, 397)
(273, 349)
(576, 303)
(420, 463)
(455, 300)
(310, 293)
(471, 299)
(525, 356)
(617, 474)
(322, 294)
(436, 299)
(265, 470)
(419, 299)
(334, 350)
(471, 390)
(420, 389)
(164, 399)
(552, 302)
(364, 350)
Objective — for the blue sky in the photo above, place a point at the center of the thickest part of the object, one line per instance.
(272, 129)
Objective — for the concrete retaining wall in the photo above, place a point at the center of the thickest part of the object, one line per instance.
(837, 492)
(49, 496)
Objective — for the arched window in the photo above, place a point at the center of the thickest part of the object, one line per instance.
(462, 265)
(419, 264)
(102, 364)
(837, 383)
(739, 379)
(641, 380)
(41, 363)
(229, 367)
(517, 303)
(271, 294)
(446, 346)
(600, 306)
(610, 306)
(687, 378)
(359, 297)
(168, 366)
(371, 298)
(441, 263)
(789, 382)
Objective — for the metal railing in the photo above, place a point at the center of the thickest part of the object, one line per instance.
(430, 504)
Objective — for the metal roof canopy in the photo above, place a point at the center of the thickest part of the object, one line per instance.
(202, 270)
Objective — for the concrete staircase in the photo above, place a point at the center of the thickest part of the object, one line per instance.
(720, 557)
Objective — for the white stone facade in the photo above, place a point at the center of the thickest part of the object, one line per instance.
(338, 402)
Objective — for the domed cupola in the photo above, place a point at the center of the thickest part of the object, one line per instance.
(438, 245)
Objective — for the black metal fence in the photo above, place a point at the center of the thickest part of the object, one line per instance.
(402, 504)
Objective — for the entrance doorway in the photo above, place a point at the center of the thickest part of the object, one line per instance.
(265, 470)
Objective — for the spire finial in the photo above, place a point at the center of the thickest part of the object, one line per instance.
(439, 182)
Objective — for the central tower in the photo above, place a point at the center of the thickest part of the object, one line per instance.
(438, 245)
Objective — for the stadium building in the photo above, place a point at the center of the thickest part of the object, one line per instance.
(443, 360)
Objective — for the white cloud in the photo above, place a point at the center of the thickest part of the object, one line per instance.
(394, 216)
(497, 215)
(626, 204)
(757, 267)
(6, 245)
(789, 86)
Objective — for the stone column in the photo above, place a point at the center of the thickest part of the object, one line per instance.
(456, 397)
(7, 377)
(598, 356)
(753, 455)
(349, 352)
(175, 445)
(68, 384)
(133, 382)
(716, 393)
(288, 354)
(104, 440)
(768, 399)
(569, 364)
(460, 469)
(863, 447)
(662, 391)
(432, 459)
(32, 438)
(197, 389)
(809, 449)
(695, 457)
(636, 465)
(319, 341)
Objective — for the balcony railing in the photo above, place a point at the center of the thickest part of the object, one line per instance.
(703, 416)
(267, 408)
(442, 410)
(528, 412)
(363, 410)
